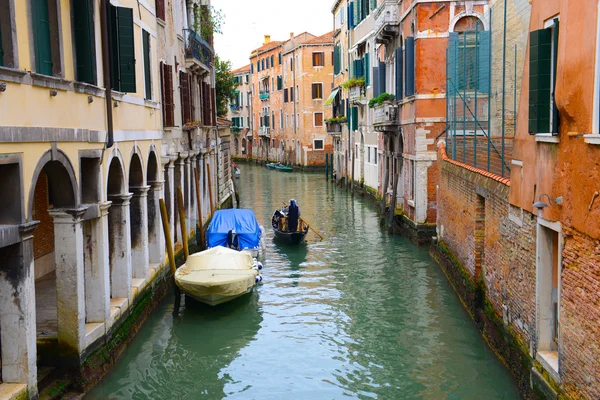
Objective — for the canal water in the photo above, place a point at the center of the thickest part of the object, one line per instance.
(361, 314)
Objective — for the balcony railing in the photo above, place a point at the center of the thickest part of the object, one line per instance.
(386, 117)
(386, 21)
(334, 128)
(264, 95)
(264, 131)
(197, 49)
(355, 95)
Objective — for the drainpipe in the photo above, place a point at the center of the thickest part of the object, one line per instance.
(106, 72)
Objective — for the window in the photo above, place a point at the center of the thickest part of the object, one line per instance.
(168, 106)
(272, 60)
(160, 9)
(375, 156)
(6, 38)
(281, 118)
(272, 84)
(273, 119)
(45, 23)
(297, 94)
(267, 62)
(147, 70)
(286, 121)
(298, 120)
(262, 65)
(83, 35)
(285, 95)
(279, 83)
(187, 100)
(318, 144)
(292, 94)
(318, 59)
(279, 58)
(543, 114)
(318, 119)
(122, 69)
(317, 91)
(368, 154)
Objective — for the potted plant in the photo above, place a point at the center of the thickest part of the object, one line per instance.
(353, 82)
(334, 124)
(382, 98)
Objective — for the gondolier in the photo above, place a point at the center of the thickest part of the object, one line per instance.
(293, 215)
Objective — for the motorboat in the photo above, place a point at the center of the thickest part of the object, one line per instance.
(236, 172)
(283, 168)
(237, 229)
(218, 275)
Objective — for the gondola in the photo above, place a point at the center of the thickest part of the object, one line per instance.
(282, 234)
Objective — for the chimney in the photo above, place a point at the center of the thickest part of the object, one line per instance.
(267, 39)
(291, 35)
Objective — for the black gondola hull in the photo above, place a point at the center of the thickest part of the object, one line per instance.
(290, 237)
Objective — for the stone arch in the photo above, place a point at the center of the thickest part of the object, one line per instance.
(244, 149)
(116, 178)
(136, 170)
(152, 168)
(466, 14)
(64, 192)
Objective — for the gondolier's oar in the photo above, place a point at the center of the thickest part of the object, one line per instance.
(307, 224)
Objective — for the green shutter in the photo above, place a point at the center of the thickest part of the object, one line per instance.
(41, 37)
(83, 30)
(354, 119)
(555, 114)
(382, 77)
(484, 73)
(376, 82)
(366, 70)
(1, 48)
(336, 60)
(126, 50)
(399, 75)
(147, 72)
(540, 51)
(410, 65)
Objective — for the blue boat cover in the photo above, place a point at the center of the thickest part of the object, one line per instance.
(242, 221)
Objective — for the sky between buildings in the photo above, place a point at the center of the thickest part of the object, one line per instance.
(246, 22)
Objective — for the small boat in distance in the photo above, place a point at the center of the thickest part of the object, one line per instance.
(279, 167)
(236, 172)
(282, 233)
(218, 275)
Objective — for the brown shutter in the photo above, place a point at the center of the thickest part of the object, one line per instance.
(212, 103)
(184, 91)
(160, 9)
(169, 103)
(163, 92)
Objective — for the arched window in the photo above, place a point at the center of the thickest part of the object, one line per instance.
(470, 53)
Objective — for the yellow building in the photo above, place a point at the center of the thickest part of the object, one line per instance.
(80, 148)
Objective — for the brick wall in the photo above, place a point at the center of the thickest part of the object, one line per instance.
(580, 315)
(466, 149)
(43, 236)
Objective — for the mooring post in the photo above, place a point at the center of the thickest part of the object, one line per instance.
(184, 234)
(326, 165)
(199, 200)
(167, 230)
(210, 194)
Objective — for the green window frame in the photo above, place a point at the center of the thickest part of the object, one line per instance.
(122, 49)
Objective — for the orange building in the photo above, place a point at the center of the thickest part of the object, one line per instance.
(267, 97)
(307, 83)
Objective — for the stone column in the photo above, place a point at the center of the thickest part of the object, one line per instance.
(97, 268)
(120, 257)
(156, 236)
(70, 287)
(139, 231)
(17, 311)
(171, 199)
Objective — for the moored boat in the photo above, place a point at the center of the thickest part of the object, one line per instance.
(283, 168)
(218, 275)
(235, 228)
(281, 231)
(271, 165)
(236, 172)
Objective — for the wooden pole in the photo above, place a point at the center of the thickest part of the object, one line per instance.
(201, 223)
(167, 230)
(210, 193)
(184, 235)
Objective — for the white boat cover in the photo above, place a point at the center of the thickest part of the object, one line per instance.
(218, 271)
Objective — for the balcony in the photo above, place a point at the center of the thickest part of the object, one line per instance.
(198, 53)
(264, 131)
(386, 117)
(356, 95)
(264, 95)
(334, 128)
(386, 22)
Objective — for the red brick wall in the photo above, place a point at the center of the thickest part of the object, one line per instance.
(43, 236)
(580, 315)
(508, 261)
(432, 182)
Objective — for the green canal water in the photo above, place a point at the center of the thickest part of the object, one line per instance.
(361, 314)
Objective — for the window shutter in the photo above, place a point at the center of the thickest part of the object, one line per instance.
(41, 34)
(160, 9)
(382, 78)
(279, 58)
(410, 65)
(358, 68)
(147, 71)
(258, 66)
(185, 97)
(336, 60)
(555, 114)
(272, 60)
(540, 51)
(399, 75)
(126, 50)
(251, 68)
(351, 15)
(169, 103)
(484, 61)
(83, 33)
(452, 69)
(376, 82)
(367, 69)
(285, 95)
(354, 118)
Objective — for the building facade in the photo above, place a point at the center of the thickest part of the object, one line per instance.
(307, 82)
(93, 133)
(240, 113)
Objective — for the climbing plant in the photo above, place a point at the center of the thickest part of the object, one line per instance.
(208, 20)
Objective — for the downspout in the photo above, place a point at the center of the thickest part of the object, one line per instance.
(106, 72)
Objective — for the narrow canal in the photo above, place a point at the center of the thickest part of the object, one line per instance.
(361, 314)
